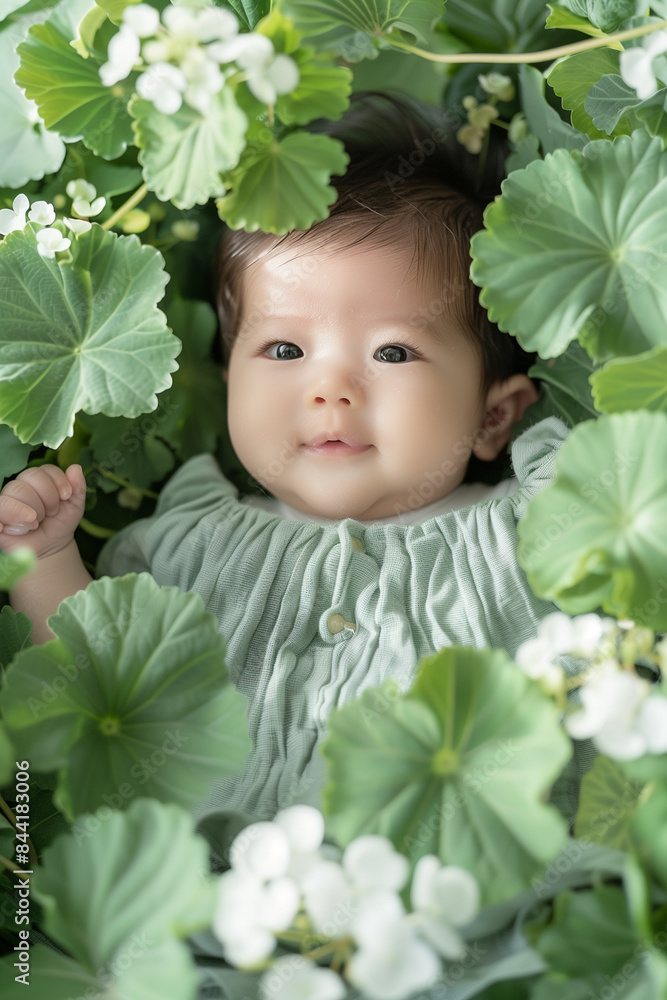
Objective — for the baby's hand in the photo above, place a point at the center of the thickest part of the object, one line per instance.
(41, 508)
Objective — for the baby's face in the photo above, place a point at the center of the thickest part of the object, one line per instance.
(341, 365)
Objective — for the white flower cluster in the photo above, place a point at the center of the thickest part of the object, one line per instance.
(636, 64)
(281, 868)
(185, 52)
(621, 712)
(15, 219)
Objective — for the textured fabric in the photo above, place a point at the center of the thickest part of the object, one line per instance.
(274, 583)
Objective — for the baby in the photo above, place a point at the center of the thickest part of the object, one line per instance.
(362, 378)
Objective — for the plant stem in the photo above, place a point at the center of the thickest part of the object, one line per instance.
(96, 530)
(133, 200)
(8, 864)
(525, 57)
(128, 486)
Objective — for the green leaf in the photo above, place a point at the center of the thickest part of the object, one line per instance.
(591, 932)
(70, 95)
(194, 409)
(15, 631)
(184, 154)
(574, 247)
(14, 565)
(13, 454)
(653, 114)
(573, 77)
(249, 12)
(7, 756)
(27, 150)
(130, 449)
(120, 899)
(609, 100)
(155, 714)
(607, 802)
(562, 18)
(333, 22)
(456, 767)
(638, 383)
(286, 186)
(650, 824)
(565, 381)
(597, 535)
(323, 90)
(73, 338)
(607, 15)
(499, 25)
(543, 120)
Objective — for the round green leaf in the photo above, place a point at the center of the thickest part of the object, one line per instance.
(324, 19)
(597, 535)
(130, 698)
(607, 803)
(323, 90)
(15, 632)
(130, 884)
(456, 767)
(285, 186)
(14, 565)
(27, 150)
(574, 247)
(650, 826)
(638, 383)
(71, 98)
(184, 154)
(609, 100)
(81, 335)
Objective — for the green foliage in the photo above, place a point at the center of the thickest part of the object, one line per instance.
(183, 154)
(608, 15)
(128, 939)
(69, 93)
(13, 453)
(607, 802)
(285, 186)
(609, 101)
(15, 630)
(638, 383)
(335, 24)
(552, 268)
(572, 79)
(155, 700)
(14, 565)
(595, 536)
(542, 119)
(457, 764)
(73, 340)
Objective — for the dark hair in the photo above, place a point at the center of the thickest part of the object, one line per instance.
(409, 182)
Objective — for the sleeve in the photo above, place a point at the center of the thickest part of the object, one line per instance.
(194, 490)
(534, 460)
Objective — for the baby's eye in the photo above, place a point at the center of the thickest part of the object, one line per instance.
(286, 355)
(392, 352)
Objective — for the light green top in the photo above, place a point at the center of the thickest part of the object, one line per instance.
(281, 590)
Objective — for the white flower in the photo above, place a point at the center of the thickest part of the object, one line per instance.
(13, 219)
(206, 25)
(163, 85)
(50, 242)
(142, 19)
(87, 208)
(80, 189)
(295, 978)
(498, 84)
(558, 634)
(78, 226)
(391, 962)
(304, 827)
(614, 714)
(204, 79)
(42, 212)
(371, 861)
(266, 74)
(249, 50)
(249, 911)
(261, 848)
(122, 53)
(442, 898)
(329, 898)
(636, 64)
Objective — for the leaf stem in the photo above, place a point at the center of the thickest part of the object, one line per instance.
(8, 864)
(96, 530)
(133, 200)
(124, 482)
(525, 57)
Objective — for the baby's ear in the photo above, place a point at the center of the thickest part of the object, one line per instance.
(506, 403)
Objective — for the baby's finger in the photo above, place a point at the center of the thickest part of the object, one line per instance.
(45, 481)
(77, 484)
(20, 502)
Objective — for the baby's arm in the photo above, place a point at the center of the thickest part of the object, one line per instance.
(40, 509)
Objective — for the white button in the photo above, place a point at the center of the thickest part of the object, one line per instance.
(336, 623)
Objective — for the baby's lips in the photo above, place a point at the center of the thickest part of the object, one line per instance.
(19, 528)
